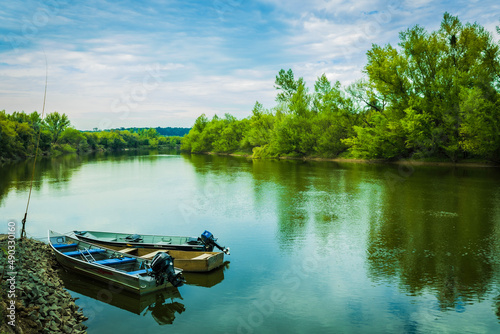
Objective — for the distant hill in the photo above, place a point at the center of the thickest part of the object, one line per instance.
(162, 131)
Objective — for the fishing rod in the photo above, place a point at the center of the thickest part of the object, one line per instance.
(23, 229)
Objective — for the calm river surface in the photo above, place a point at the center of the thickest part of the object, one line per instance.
(316, 247)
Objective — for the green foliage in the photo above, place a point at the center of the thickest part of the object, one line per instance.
(294, 128)
(439, 88)
(76, 138)
(480, 129)
(381, 139)
(259, 129)
(191, 142)
(286, 84)
(132, 140)
(435, 95)
(56, 124)
(167, 131)
(11, 145)
(60, 149)
(231, 134)
(19, 134)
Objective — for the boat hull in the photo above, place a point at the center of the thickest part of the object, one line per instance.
(109, 239)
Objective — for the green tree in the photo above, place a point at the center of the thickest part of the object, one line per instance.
(56, 123)
(132, 140)
(75, 138)
(286, 84)
(10, 146)
(422, 85)
(190, 142)
(230, 135)
(300, 100)
(480, 129)
(260, 128)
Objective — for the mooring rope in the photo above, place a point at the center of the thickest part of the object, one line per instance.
(23, 230)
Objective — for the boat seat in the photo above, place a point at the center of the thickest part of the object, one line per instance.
(202, 257)
(127, 250)
(120, 260)
(139, 272)
(152, 254)
(78, 252)
(62, 246)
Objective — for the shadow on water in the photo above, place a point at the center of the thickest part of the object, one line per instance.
(160, 305)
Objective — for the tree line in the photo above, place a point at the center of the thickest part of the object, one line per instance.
(436, 96)
(19, 134)
(162, 131)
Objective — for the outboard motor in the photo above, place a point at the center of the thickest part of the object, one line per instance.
(209, 241)
(162, 266)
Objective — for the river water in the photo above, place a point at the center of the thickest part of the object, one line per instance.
(316, 247)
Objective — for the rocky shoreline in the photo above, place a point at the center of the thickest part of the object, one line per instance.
(42, 304)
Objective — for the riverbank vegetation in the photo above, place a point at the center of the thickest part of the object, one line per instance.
(434, 96)
(19, 134)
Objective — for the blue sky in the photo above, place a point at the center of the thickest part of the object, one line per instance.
(164, 63)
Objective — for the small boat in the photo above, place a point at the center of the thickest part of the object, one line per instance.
(187, 261)
(129, 272)
(205, 243)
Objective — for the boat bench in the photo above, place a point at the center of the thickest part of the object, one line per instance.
(139, 272)
(202, 257)
(86, 251)
(63, 246)
(120, 260)
(128, 250)
(152, 254)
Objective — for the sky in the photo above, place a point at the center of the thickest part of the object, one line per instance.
(152, 63)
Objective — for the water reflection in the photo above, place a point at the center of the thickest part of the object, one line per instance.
(393, 250)
(218, 165)
(427, 228)
(497, 307)
(17, 176)
(206, 280)
(56, 171)
(161, 305)
(437, 234)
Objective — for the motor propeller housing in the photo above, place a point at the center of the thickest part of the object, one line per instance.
(208, 239)
(162, 267)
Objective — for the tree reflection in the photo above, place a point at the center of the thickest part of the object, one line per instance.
(17, 176)
(428, 230)
(497, 307)
(437, 235)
